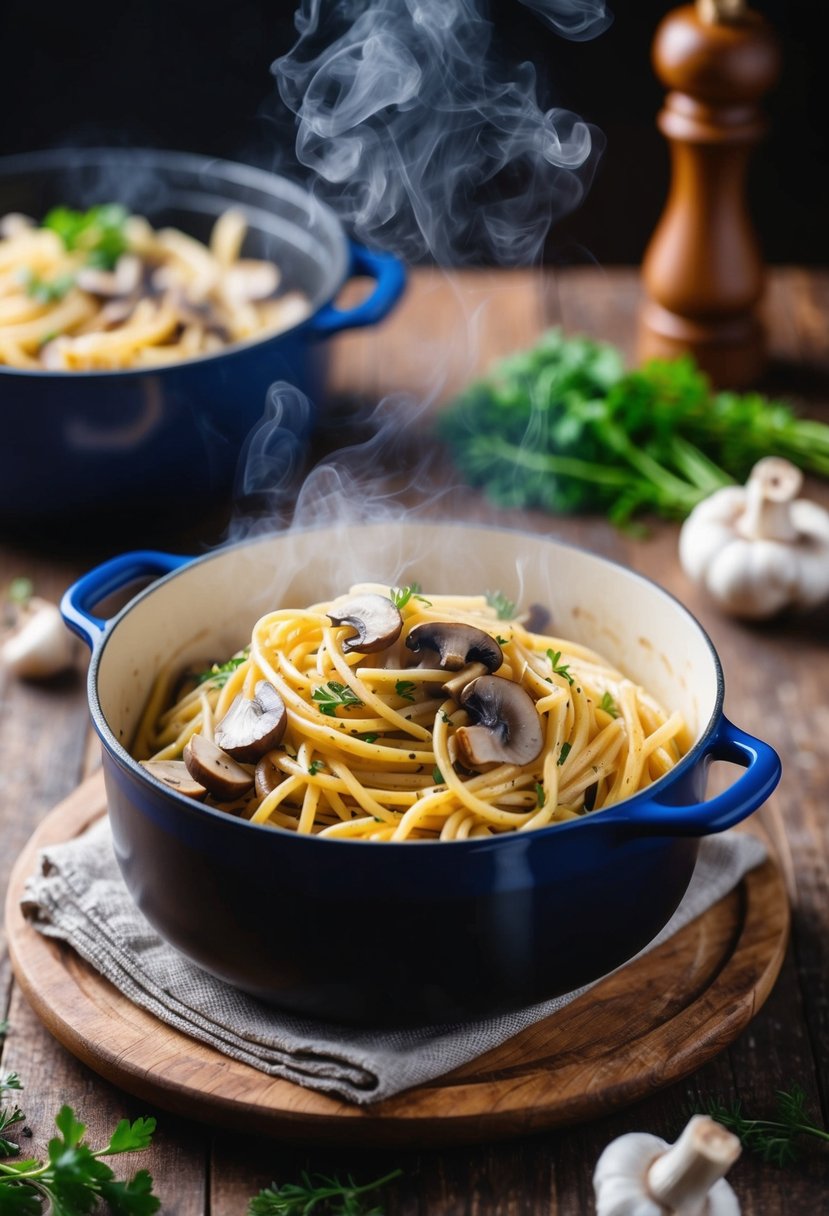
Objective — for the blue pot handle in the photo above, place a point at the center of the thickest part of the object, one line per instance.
(106, 579)
(390, 278)
(762, 765)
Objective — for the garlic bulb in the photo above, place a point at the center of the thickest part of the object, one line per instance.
(40, 646)
(759, 549)
(642, 1175)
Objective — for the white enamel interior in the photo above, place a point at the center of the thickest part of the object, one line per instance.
(206, 611)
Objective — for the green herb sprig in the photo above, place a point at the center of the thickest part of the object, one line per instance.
(219, 674)
(504, 608)
(319, 1194)
(400, 596)
(609, 705)
(559, 668)
(100, 232)
(74, 1179)
(776, 1140)
(333, 696)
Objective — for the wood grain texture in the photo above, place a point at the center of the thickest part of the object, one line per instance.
(652, 1022)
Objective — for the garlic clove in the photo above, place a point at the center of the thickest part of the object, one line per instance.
(41, 646)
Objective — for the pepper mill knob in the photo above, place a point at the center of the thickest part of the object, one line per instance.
(703, 271)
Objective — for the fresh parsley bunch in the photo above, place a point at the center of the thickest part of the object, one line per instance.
(564, 427)
(74, 1179)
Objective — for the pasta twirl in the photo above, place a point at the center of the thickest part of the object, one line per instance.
(382, 732)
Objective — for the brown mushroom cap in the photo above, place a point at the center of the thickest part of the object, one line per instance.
(253, 726)
(507, 727)
(375, 619)
(456, 644)
(215, 770)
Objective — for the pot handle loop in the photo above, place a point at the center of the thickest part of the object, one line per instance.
(111, 576)
(390, 277)
(748, 792)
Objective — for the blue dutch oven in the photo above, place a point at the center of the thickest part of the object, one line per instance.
(166, 440)
(415, 932)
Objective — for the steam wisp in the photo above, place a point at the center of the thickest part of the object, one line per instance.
(421, 140)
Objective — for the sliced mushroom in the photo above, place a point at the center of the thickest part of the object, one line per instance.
(375, 619)
(215, 770)
(267, 775)
(461, 648)
(506, 726)
(122, 281)
(14, 222)
(456, 645)
(249, 280)
(252, 726)
(175, 774)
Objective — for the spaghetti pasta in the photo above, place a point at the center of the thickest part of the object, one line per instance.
(104, 290)
(384, 735)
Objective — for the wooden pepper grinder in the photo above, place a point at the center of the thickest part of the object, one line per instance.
(703, 271)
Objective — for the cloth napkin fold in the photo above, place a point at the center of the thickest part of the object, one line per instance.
(78, 896)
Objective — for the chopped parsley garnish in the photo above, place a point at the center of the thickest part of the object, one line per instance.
(333, 695)
(98, 232)
(609, 705)
(400, 596)
(314, 767)
(405, 689)
(539, 792)
(566, 748)
(220, 673)
(505, 609)
(369, 738)
(46, 291)
(560, 669)
(501, 641)
(437, 776)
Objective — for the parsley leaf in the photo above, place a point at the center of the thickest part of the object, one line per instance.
(333, 695)
(400, 596)
(98, 232)
(74, 1178)
(539, 792)
(505, 609)
(405, 689)
(609, 705)
(315, 766)
(219, 674)
(558, 667)
(566, 748)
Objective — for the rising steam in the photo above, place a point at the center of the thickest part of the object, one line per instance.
(424, 143)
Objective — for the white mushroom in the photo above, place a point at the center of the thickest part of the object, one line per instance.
(642, 1175)
(759, 549)
(122, 281)
(40, 645)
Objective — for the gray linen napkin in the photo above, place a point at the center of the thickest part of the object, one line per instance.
(79, 897)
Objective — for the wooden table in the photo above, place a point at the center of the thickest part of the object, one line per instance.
(776, 679)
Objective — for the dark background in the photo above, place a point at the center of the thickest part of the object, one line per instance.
(194, 75)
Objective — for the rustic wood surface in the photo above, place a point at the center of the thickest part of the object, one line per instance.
(776, 678)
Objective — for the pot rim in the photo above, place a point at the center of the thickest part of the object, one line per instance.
(187, 162)
(619, 812)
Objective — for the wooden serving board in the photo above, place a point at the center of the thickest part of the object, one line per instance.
(642, 1028)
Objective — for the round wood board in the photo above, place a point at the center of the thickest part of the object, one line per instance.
(642, 1028)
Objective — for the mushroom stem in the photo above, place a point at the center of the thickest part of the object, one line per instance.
(681, 1178)
(773, 485)
(465, 676)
